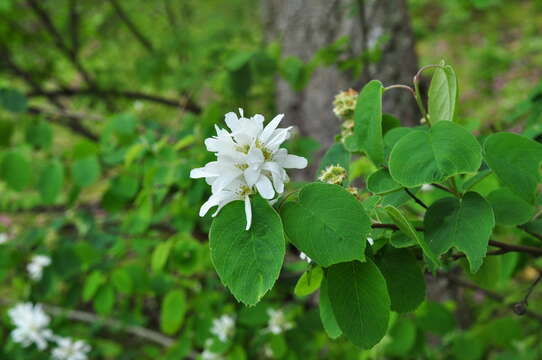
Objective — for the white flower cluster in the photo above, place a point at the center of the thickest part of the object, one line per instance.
(223, 327)
(277, 321)
(249, 160)
(32, 327)
(36, 265)
(4, 238)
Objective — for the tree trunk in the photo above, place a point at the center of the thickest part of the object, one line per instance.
(305, 26)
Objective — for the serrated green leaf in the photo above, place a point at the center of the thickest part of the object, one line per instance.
(360, 301)
(39, 134)
(92, 283)
(122, 281)
(511, 155)
(172, 311)
(327, 223)
(465, 223)
(424, 157)
(247, 261)
(104, 300)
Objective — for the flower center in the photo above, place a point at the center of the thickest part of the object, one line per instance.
(267, 155)
(244, 191)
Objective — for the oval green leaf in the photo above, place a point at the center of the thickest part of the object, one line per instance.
(360, 301)
(247, 261)
(327, 223)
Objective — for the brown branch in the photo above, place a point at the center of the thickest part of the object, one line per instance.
(415, 198)
(70, 53)
(444, 188)
(533, 234)
(90, 318)
(74, 122)
(487, 293)
(131, 26)
(184, 104)
(74, 25)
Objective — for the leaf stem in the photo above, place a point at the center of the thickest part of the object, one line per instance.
(415, 198)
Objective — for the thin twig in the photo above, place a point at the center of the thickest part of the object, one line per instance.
(415, 198)
(184, 104)
(131, 26)
(74, 122)
(400, 86)
(90, 318)
(533, 234)
(442, 187)
(487, 293)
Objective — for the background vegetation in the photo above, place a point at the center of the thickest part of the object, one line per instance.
(104, 106)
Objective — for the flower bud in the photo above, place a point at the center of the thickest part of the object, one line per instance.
(333, 174)
(345, 103)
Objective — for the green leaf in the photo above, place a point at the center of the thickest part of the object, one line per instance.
(511, 155)
(104, 300)
(86, 171)
(465, 223)
(326, 312)
(368, 123)
(406, 228)
(51, 181)
(403, 337)
(381, 182)
(16, 170)
(172, 311)
(39, 134)
(92, 283)
(122, 281)
(247, 261)
(435, 317)
(309, 282)
(12, 100)
(442, 95)
(509, 208)
(424, 157)
(360, 301)
(335, 155)
(404, 278)
(327, 223)
(160, 255)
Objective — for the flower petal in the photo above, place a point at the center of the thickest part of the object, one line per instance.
(270, 128)
(294, 162)
(265, 188)
(248, 212)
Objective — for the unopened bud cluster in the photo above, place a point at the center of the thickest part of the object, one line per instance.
(345, 103)
(333, 174)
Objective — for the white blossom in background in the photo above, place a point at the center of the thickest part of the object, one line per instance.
(209, 355)
(249, 160)
(36, 265)
(4, 238)
(31, 325)
(268, 352)
(223, 327)
(69, 349)
(371, 241)
(426, 187)
(277, 321)
(305, 257)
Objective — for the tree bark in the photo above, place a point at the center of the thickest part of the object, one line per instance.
(305, 26)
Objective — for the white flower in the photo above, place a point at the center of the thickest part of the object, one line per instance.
(370, 240)
(305, 257)
(31, 324)
(277, 321)
(426, 187)
(249, 160)
(223, 327)
(4, 238)
(209, 355)
(36, 265)
(68, 349)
